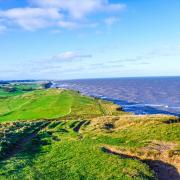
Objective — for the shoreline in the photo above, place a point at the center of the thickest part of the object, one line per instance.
(131, 107)
(136, 108)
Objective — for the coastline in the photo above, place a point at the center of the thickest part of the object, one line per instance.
(130, 107)
(155, 95)
(137, 109)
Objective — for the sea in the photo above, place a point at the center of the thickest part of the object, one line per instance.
(142, 95)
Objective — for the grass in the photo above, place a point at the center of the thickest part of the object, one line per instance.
(140, 129)
(4, 94)
(60, 134)
(10, 133)
(59, 154)
(18, 89)
(51, 104)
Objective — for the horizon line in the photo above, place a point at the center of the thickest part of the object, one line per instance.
(122, 77)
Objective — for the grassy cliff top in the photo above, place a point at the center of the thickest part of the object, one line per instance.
(53, 104)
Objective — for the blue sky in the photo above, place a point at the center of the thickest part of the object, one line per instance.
(60, 39)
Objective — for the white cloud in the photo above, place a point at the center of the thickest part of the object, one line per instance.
(110, 21)
(114, 7)
(67, 24)
(62, 63)
(69, 55)
(31, 18)
(76, 25)
(78, 9)
(59, 13)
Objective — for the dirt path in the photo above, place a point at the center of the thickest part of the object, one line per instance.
(162, 170)
(101, 108)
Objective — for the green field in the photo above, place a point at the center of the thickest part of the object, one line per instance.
(51, 104)
(17, 89)
(61, 134)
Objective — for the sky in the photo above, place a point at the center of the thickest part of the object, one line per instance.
(77, 39)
